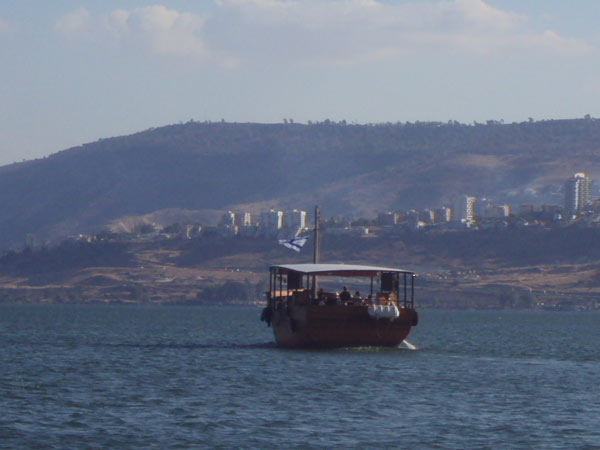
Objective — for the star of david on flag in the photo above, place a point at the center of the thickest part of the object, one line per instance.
(296, 243)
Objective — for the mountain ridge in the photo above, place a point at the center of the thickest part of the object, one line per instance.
(346, 168)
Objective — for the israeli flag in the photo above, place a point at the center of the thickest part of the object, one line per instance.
(295, 243)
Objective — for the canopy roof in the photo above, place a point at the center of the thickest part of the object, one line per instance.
(338, 270)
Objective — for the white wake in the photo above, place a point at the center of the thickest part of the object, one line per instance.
(408, 345)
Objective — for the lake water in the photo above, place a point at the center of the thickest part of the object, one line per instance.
(164, 377)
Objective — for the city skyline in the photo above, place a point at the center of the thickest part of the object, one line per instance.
(466, 211)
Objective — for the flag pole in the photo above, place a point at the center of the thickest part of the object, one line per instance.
(317, 242)
(316, 247)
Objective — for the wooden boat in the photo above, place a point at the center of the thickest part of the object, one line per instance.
(304, 316)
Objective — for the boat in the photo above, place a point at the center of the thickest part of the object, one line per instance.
(303, 315)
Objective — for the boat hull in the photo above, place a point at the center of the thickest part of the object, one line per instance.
(334, 326)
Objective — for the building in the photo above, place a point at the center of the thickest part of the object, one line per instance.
(496, 211)
(552, 212)
(272, 220)
(578, 191)
(243, 219)
(443, 214)
(387, 219)
(228, 218)
(464, 209)
(295, 219)
(428, 216)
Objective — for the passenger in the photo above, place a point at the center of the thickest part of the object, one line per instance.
(321, 294)
(370, 300)
(320, 300)
(357, 299)
(345, 296)
(392, 299)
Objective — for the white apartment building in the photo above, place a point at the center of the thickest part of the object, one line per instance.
(464, 210)
(271, 220)
(295, 219)
(577, 193)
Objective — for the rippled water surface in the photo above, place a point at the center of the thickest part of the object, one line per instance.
(163, 377)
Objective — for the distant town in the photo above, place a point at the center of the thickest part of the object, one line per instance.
(475, 253)
(466, 213)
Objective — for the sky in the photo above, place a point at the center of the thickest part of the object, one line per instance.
(73, 72)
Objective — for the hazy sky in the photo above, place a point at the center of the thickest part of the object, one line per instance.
(75, 71)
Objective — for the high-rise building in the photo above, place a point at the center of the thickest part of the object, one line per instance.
(577, 193)
(464, 209)
(271, 220)
(295, 219)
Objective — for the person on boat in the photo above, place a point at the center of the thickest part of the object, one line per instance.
(345, 296)
(357, 299)
(320, 300)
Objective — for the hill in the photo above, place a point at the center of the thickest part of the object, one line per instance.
(515, 268)
(347, 169)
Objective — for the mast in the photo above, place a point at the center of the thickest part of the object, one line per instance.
(317, 242)
(317, 248)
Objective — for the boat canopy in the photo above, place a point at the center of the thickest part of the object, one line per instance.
(338, 270)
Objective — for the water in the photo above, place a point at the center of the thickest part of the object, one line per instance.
(158, 377)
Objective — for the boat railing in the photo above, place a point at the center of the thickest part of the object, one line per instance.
(399, 287)
(304, 297)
